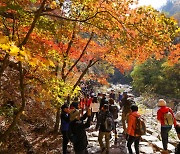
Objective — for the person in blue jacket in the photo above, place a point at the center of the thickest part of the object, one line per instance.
(65, 120)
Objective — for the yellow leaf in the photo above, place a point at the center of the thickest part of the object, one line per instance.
(53, 5)
(4, 46)
(22, 52)
(33, 62)
(3, 39)
(14, 50)
(51, 63)
(20, 58)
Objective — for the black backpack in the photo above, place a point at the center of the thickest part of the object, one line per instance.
(108, 122)
(114, 111)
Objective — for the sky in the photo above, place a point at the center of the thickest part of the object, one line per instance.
(155, 3)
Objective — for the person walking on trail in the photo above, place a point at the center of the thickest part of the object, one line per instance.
(126, 109)
(166, 118)
(77, 131)
(105, 125)
(95, 107)
(114, 111)
(103, 101)
(65, 120)
(119, 97)
(112, 95)
(131, 135)
(177, 117)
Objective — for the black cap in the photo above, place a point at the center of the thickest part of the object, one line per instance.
(64, 106)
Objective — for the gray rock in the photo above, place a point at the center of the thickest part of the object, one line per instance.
(150, 138)
(146, 149)
(160, 146)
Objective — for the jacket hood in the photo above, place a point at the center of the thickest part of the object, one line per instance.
(164, 109)
(136, 114)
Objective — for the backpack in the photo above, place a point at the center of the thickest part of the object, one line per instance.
(109, 122)
(140, 128)
(114, 111)
(168, 118)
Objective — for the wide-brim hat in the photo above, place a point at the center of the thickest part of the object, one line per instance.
(177, 116)
(74, 114)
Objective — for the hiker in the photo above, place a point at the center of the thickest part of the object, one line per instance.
(65, 120)
(177, 117)
(103, 101)
(119, 98)
(76, 102)
(126, 109)
(89, 101)
(105, 125)
(77, 131)
(114, 111)
(166, 117)
(95, 107)
(112, 94)
(131, 135)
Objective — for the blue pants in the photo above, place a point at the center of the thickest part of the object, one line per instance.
(164, 135)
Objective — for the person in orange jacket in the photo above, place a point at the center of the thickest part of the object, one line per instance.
(165, 128)
(131, 136)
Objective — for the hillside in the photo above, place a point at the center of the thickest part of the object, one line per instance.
(172, 8)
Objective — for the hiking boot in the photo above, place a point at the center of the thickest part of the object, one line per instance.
(103, 149)
(165, 152)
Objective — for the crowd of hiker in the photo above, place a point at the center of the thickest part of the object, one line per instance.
(103, 111)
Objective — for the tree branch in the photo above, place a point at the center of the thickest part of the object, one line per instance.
(91, 63)
(83, 52)
(37, 15)
(65, 55)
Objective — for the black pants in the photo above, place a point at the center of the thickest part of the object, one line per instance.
(136, 140)
(82, 152)
(164, 136)
(177, 150)
(65, 141)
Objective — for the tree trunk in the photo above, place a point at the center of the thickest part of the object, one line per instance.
(16, 115)
(56, 127)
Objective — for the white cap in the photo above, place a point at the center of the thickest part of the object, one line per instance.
(161, 102)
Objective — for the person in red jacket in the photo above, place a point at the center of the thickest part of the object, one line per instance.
(165, 128)
(131, 136)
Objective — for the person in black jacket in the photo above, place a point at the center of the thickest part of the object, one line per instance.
(65, 120)
(103, 101)
(77, 127)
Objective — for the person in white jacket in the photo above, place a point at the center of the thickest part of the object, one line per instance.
(95, 107)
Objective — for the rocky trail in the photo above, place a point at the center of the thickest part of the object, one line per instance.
(38, 140)
(150, 143)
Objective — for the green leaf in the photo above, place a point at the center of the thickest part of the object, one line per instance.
(33, 1)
